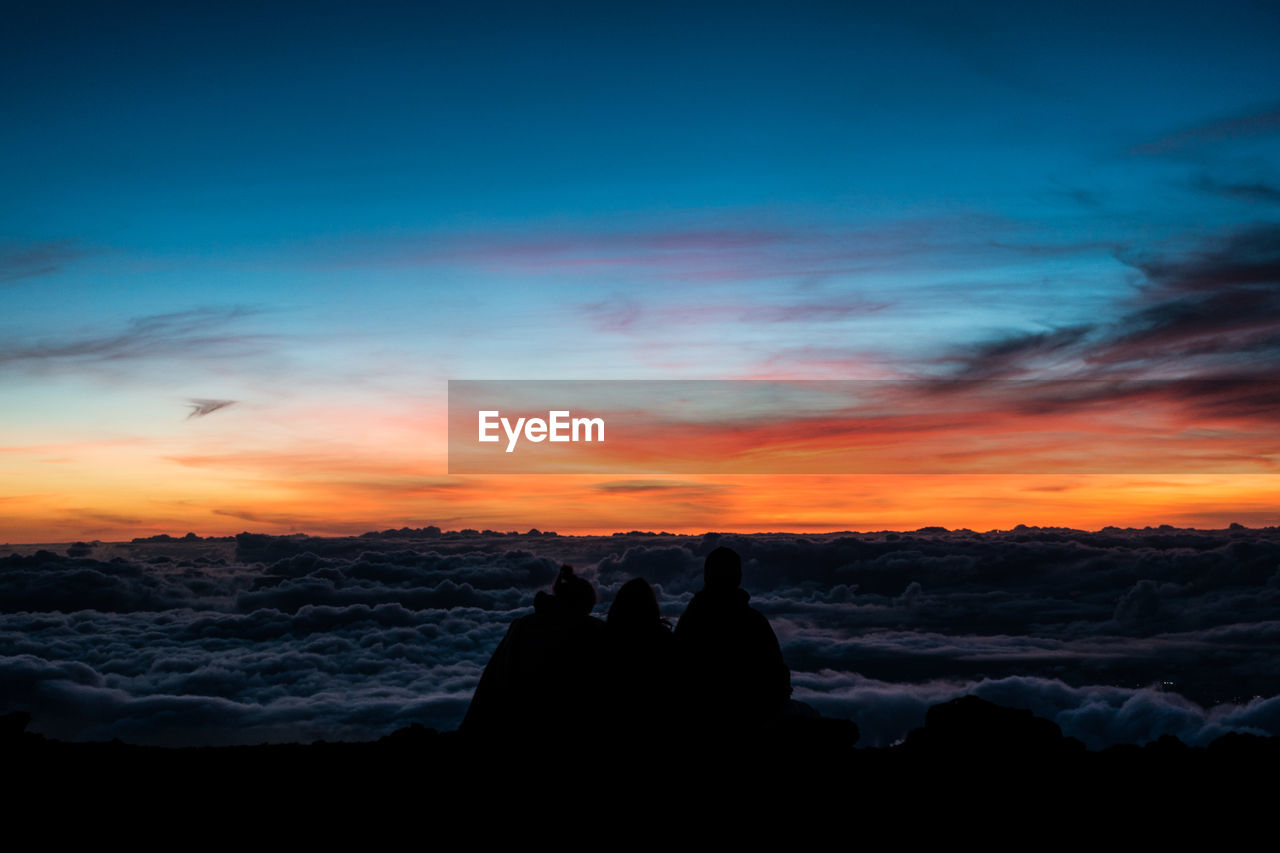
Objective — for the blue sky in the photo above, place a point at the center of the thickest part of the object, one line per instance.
(303, 206)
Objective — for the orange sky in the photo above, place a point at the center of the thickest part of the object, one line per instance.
(117, 506)
(284, 469)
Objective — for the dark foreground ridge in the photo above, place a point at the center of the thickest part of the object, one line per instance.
(968, 750)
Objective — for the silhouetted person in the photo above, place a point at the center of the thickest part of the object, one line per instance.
(734, 673)
(544, 678)
(641, 681)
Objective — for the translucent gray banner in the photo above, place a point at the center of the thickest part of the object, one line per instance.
(863, 426)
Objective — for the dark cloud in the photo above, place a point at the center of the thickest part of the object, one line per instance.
(1240, 259)
(201, 407)
(1252, 192)
(1215, 309)
(296, 522)
(626, 315)
(197, 333)
(1099, 715)
(33, 260)
(1088, 198)
(1209, 316)
(1117, 635)
(1018, 355)
(106, 517)
(1262, 123)
(640, 486)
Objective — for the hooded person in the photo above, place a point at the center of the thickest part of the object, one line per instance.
(734, 674)
(641, 675)
(543, 680)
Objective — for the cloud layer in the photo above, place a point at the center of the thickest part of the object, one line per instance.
(1119, 635)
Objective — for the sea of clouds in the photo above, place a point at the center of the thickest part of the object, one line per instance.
(1119, 636)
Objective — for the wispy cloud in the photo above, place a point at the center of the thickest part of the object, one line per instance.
(810, 251)
(20, 261)
(295, 522)
(1202, 332)
(643, 486)
(196, 333)
(1209, 312)
(1250, 192)
(200, 407)
(1019, 354)
(1249, 125)
(626, 315)
(347, 462)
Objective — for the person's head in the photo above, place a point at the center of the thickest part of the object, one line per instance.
(634, 605)
(722, 569)
(577, 594)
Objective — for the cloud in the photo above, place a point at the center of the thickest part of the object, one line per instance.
(1253, 192)
(642, 486)
(1118, 635)
(292, 521)
(1017, 355)
(202, 407)
(20, 261)
(809, 254)
(1261, 123)
(1098, 715)
(625, 315)
(1243, 258)
(1202, 330)
(196, 333)
(1216, 307)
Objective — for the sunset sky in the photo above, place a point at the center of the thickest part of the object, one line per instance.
(317, 214)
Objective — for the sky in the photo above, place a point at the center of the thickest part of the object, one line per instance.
(319, 213)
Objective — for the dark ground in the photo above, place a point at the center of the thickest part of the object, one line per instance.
(971, 757)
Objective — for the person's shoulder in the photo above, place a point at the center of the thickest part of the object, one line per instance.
(757, 619)
(692, 611)
(584, 627)
(521, 626)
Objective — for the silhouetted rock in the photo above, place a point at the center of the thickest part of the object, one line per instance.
(13, 724)
(1243, 745)
(973, 725)
(413, 736)
(817, 736)
(959, 766)
(1166, 744)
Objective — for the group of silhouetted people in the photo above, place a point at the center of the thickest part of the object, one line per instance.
(562, 673)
